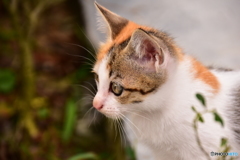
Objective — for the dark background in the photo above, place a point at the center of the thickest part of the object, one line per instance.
(46, 86)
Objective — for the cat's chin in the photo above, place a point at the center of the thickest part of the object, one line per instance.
(112, 115)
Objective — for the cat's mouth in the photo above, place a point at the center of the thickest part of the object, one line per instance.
(111, 113)
(112, 116)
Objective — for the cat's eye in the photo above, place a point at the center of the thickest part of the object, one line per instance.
(116, 88)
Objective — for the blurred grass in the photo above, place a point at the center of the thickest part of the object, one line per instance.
(70, 120)
(7, 80)
(41, 111)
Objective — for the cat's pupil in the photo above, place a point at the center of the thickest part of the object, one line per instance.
(116, 88)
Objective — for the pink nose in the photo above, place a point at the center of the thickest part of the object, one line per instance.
(98, 103)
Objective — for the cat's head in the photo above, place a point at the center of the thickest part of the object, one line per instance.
(131, 66)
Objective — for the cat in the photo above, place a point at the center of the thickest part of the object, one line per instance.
(144, 78)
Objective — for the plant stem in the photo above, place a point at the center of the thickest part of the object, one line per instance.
(198, 138)
(27, 70)
(27, 77)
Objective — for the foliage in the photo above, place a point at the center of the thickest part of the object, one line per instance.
(223, 147)
(39, 67)
(7, 80)
(70, 120)
(84, 156)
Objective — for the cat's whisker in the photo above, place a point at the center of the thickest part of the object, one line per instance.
(94, 88)
(119, 129)
(140, 116)
(122, 131)
(135, 109)
(125, 132)
(129, 123)
(88, 89)
(87, 112)
(87, 96)
(95, 50)
(87, 99)
(130, 109)
(88, 64)
(80, 56)
(84, 49)
(115, 128)
(93, 119)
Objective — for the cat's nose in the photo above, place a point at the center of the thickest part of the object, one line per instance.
(98, 102)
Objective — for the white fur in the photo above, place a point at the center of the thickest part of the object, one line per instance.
(163, 122)
(111, 107)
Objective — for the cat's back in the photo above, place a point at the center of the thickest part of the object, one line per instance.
(229, 102)
(229, 93)
(228, 78)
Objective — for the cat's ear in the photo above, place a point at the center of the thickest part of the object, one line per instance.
(114, 22)
(147, 51)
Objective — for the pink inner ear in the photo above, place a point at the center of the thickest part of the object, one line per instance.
(149, 47)
(148, 50)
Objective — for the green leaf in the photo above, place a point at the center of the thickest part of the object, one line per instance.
(70, 120)
(201, 99)
(200, 118)
(194, 109)
(7, 80)
(83, 156)
(130, 152)
(223, 142)
(218, 118)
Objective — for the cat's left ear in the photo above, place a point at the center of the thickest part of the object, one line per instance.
(147, 51)
(114, 22)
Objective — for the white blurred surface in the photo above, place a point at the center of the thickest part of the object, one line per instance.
(208, 30)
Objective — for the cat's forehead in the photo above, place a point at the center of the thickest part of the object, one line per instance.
(101, 65)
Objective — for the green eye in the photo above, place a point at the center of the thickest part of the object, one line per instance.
(116, 88)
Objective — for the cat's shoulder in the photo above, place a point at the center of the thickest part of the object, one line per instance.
(228, 78)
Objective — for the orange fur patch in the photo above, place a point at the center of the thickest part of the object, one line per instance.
(103, 50)
(125, 33)
(179, 53)
(202, 73)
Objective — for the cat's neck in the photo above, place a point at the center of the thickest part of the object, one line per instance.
(184, 80)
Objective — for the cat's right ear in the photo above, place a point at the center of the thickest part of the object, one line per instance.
(115, 23)
(146, 50)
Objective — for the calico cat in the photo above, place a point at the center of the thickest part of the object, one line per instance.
(144, 78)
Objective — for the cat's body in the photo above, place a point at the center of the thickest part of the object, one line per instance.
(144, 78)
(169, 131)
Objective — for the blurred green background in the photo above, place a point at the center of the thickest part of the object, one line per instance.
(46, 86)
